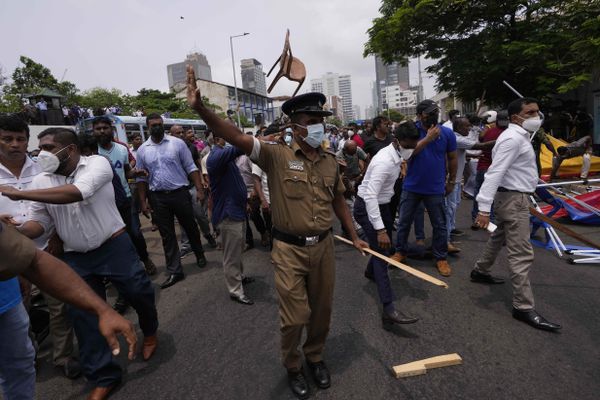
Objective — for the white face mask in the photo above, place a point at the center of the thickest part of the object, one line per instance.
(315, 134)
(405, 154)
(350, 133)
(48, 161)
(532, 125)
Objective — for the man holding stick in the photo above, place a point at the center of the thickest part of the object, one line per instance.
(509, 181)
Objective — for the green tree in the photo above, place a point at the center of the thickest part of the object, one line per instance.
(394, 115)
(335, 121)
(31, 77)
(99, 98)
(541, 47)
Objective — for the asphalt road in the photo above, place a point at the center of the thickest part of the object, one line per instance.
(213, 348)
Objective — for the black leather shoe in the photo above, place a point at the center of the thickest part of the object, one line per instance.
(534, 319)
(478, 277)
(171, 280)
(201, 261)
(243, 299)
(72, 368)
(247, 279)
(396, 318)
(320, 374)
(298, 385)
(369, 275)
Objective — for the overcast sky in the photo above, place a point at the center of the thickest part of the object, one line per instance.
(127, 44)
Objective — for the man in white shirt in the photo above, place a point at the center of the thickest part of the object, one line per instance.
(372, 210)
(75, 194)
(509, 181)
(452, 115)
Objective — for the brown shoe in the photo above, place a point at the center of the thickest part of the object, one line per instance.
(149, 267)
(101, 392)
(443, 267)
(150, 343)
(398, 257)
(452, 249)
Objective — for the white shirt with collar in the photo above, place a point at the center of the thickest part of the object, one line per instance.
(377, 186)
(463, 143)
(85, 225)
(513, 166)
(19, 209)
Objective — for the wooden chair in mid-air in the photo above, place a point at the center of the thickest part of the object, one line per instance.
(289, 66)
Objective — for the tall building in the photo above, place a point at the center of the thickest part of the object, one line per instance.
(402, 100)
(332, 84)
(394, 74)
(177, 74)
(253, 77)
(356, 110)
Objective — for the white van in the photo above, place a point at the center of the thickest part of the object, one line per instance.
(126, 126)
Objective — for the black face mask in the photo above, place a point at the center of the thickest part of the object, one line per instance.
(157, 130)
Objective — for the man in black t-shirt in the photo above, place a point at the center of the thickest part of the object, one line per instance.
(381, 137)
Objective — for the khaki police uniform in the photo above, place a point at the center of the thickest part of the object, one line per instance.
(16, 252)
(302, 192)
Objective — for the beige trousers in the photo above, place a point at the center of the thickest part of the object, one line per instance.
(233, 238)
(511, 210)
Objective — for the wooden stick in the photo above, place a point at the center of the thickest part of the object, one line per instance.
(396, 264)
(420, 367)
(563, 228)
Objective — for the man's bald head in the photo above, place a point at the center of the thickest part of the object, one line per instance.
(177, 131)
(350, 147)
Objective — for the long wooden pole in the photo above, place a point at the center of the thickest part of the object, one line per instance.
(563, 228)
(401, 266)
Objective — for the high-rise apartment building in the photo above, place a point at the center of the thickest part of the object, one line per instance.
(253, 77)
(332, 84)
(394, 74)
(177, 74)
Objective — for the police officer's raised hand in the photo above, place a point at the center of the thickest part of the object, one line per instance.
(194, 97)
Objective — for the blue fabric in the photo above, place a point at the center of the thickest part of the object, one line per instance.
(226, 184)
(118, 261)
(118, 156)
(436, 209)
(168, 163)
(10, 294)
(426, 172)
(377, 267)
(452, 202)
(17, 374)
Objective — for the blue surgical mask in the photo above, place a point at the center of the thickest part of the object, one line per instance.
(315, 136)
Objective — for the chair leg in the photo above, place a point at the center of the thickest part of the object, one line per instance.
(279, 75)
(276, 62)
(300, 82)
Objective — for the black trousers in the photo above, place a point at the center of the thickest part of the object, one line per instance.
(166, 207)
(136, 236)
(260, 217)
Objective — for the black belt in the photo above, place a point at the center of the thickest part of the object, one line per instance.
(170, 191)
(300, 240)
(505, 190)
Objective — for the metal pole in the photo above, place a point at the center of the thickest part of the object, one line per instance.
(586, 181)
(513, 89)
(237, 101)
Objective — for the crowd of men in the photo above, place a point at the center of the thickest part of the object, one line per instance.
(81, 199)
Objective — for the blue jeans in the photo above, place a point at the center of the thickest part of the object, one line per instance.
(118, 261)
(376, 266)
(17, 374)
(452, 202)
(436, 208)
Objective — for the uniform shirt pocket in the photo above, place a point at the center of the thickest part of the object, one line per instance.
(295, 184)
(325, 190)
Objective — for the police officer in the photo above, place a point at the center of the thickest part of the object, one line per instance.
(305, 187)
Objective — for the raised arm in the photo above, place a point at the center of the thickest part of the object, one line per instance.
(225, 130)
